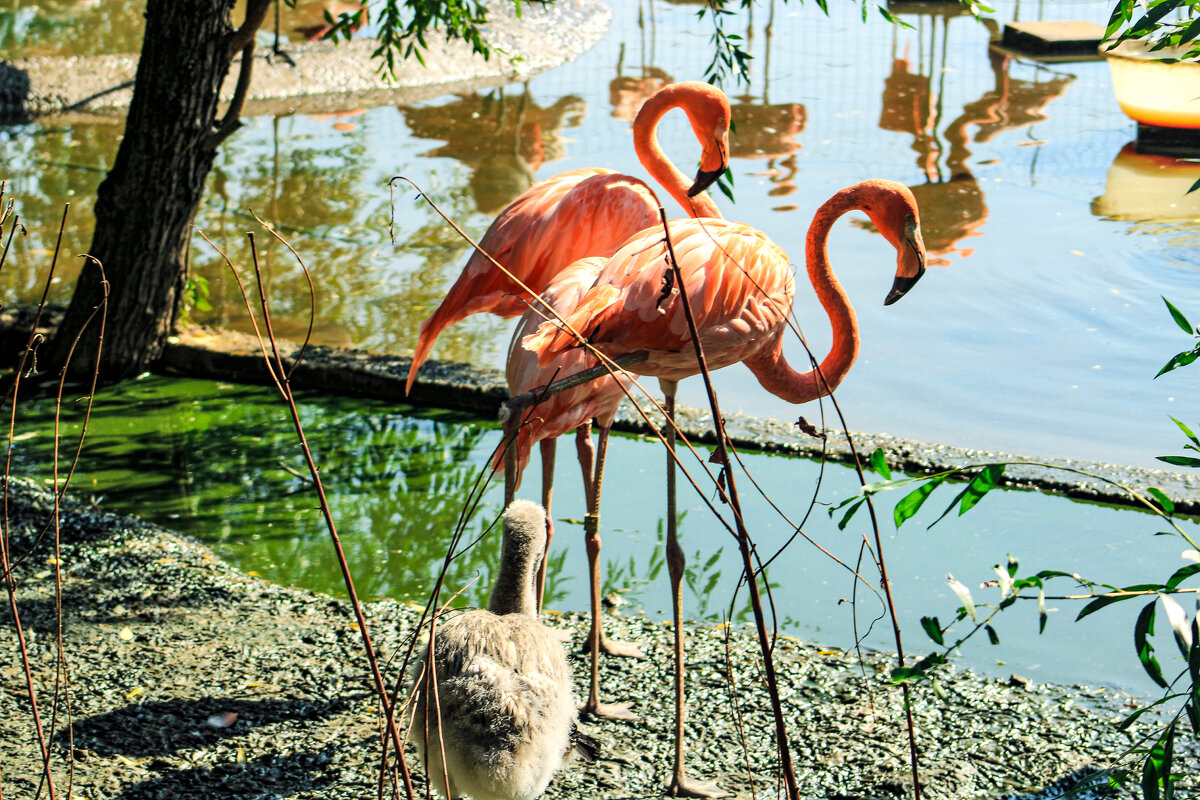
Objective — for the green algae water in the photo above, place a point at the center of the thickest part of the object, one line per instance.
(221, 463)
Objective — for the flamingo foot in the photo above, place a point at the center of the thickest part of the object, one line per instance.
(614, 648)
(613, 711)
(683, 786)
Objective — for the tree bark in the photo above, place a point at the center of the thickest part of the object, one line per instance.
(146, 205)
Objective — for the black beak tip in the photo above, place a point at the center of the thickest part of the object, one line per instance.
(704, 179)
(900, 288)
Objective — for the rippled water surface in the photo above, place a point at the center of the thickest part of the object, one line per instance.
(1038, 330)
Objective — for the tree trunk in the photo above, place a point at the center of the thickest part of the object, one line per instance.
(146, 204)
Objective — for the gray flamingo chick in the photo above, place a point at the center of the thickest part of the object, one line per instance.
(504, 691)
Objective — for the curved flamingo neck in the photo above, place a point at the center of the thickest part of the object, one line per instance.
(645, 143)
(770, 367)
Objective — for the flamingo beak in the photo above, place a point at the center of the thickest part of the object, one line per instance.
(911, 260)
(704, 179)
(713, 162)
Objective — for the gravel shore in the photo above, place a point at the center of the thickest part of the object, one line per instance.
(190, 679)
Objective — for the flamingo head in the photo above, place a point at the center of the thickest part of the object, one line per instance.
(893, 209)
(709, 112)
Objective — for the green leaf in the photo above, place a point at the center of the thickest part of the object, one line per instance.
(1108, 599)
(1182, 574)
(1193, 708)
(917, 670)
(1129, 720)
(849, 513)
(1042, 615)
(879, 463)
(993, 637)
(984, 481)
(1180, 461)
(933, 629)
(1179, 318)
(1179, 360)
(1122, 12)
(980, 484)
(1055, 573)
(1164, 502)
(1186, 430)
(1180, 624)
(875, 487)
(911, 502)
(1142, 630)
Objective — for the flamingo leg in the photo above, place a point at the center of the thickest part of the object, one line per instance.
(608, 646)
(597, 642)
(680, 785)
(547, 447)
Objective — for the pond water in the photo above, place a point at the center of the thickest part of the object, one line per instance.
(220, 463)
(1037, 332)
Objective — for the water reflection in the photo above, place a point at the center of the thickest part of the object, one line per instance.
(309, 19)
(952, 202)
(502, 139)
(627, 94)
(310, 184)
(1148, 188)
(768, 131)
(30, 28)
(222, 464)
(46, 168)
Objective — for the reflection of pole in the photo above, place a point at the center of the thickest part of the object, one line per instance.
(941, 94)
(769, 34)
(750, 27)
(273, 206)
(522, 108)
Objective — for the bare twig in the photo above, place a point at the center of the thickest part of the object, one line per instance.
(279, 374)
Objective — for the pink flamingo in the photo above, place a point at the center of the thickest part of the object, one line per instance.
(570, 410)
(581, 213)
(740, 287)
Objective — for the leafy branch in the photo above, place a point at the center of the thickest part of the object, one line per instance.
(1157, 776)
(731, 60)
(1160, 24)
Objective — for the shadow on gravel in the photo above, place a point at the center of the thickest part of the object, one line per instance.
(269, 776)
(163, 728)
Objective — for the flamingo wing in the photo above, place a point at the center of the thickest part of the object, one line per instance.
(739, 283)
(585, 212)
(563, 412)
